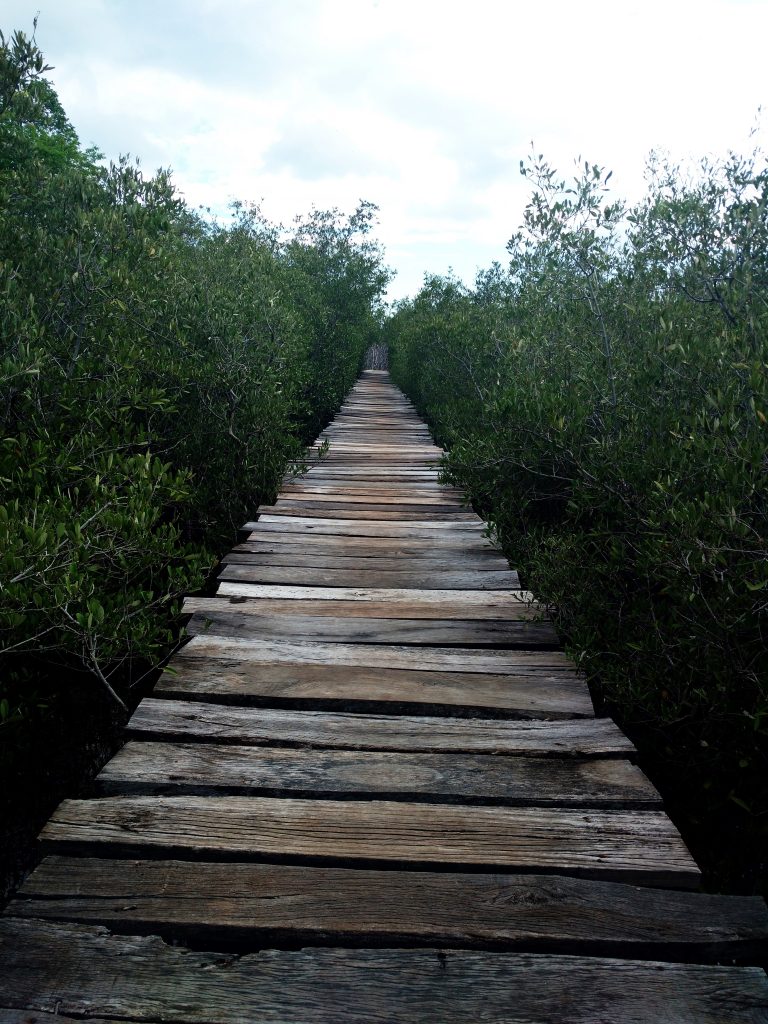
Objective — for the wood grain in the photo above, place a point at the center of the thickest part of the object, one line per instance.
(194, 720)
(378, 561)
(233, 679)
(531, 912)
(385, 602)
(368, 528)
(621, 845)
(370, 602)
(84, 971)
(175, 768)
(385, 656)
(425, 578)
(229, 621)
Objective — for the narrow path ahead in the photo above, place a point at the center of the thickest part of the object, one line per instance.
(372, 788)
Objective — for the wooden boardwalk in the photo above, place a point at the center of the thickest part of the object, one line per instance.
(373, 788)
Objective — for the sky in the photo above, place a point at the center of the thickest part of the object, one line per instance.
(424, 107)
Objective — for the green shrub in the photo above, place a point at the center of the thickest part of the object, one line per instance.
(604, 400)
(158, 373)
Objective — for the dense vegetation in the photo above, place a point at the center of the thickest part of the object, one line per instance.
(604, 400)
(605, 403)
(158, 373)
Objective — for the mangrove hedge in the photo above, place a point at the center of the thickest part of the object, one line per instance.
(159, 371)
(604, 401)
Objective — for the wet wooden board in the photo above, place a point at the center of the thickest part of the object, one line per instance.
(255, 901)
(630, 846)
(154, 767)
(191, 720)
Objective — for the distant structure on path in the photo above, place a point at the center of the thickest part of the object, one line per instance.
(377, 357)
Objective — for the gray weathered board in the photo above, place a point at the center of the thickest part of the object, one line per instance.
(372, 742)
(81, 970)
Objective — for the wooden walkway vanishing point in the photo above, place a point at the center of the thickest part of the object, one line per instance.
(373, 789)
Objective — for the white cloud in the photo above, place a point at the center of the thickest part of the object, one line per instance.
(423, 106)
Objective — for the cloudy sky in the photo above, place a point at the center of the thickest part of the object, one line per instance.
(424, 107)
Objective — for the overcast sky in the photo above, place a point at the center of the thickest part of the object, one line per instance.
(424, 107)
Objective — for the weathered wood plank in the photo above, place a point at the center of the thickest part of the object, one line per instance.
(524, 684)
(230, 621)
(406, 541)
(359, 509)
(363, 472)
(378, 561)
(580, 737)
(314, 496)
(527, 912)
(379, 525)
(636, 846)
(305, 511)
(494, 579)
(177, 768)
(82, 970)
(535, 695)
(349, 543)
(441, 659)
(382, 488)
(382, 602)
(434, 532)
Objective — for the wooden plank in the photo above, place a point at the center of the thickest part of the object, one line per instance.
(363, 472)
(212, 768)
(360, 509)
(496, 579)
(337, 496)
(434, 532)
(405, 541)
(455, 561)
(532, 695)
(229, 621)
(334, 517)
(398, 450)
(389, 607)
(306, 511)
(636, 846)
(380, 492)
(369, 547)
(391, 459)
(580, 737)
(384, 488)
(441, 659)
(250, 902)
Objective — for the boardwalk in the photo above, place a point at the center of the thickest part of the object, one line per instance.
(372, 788)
